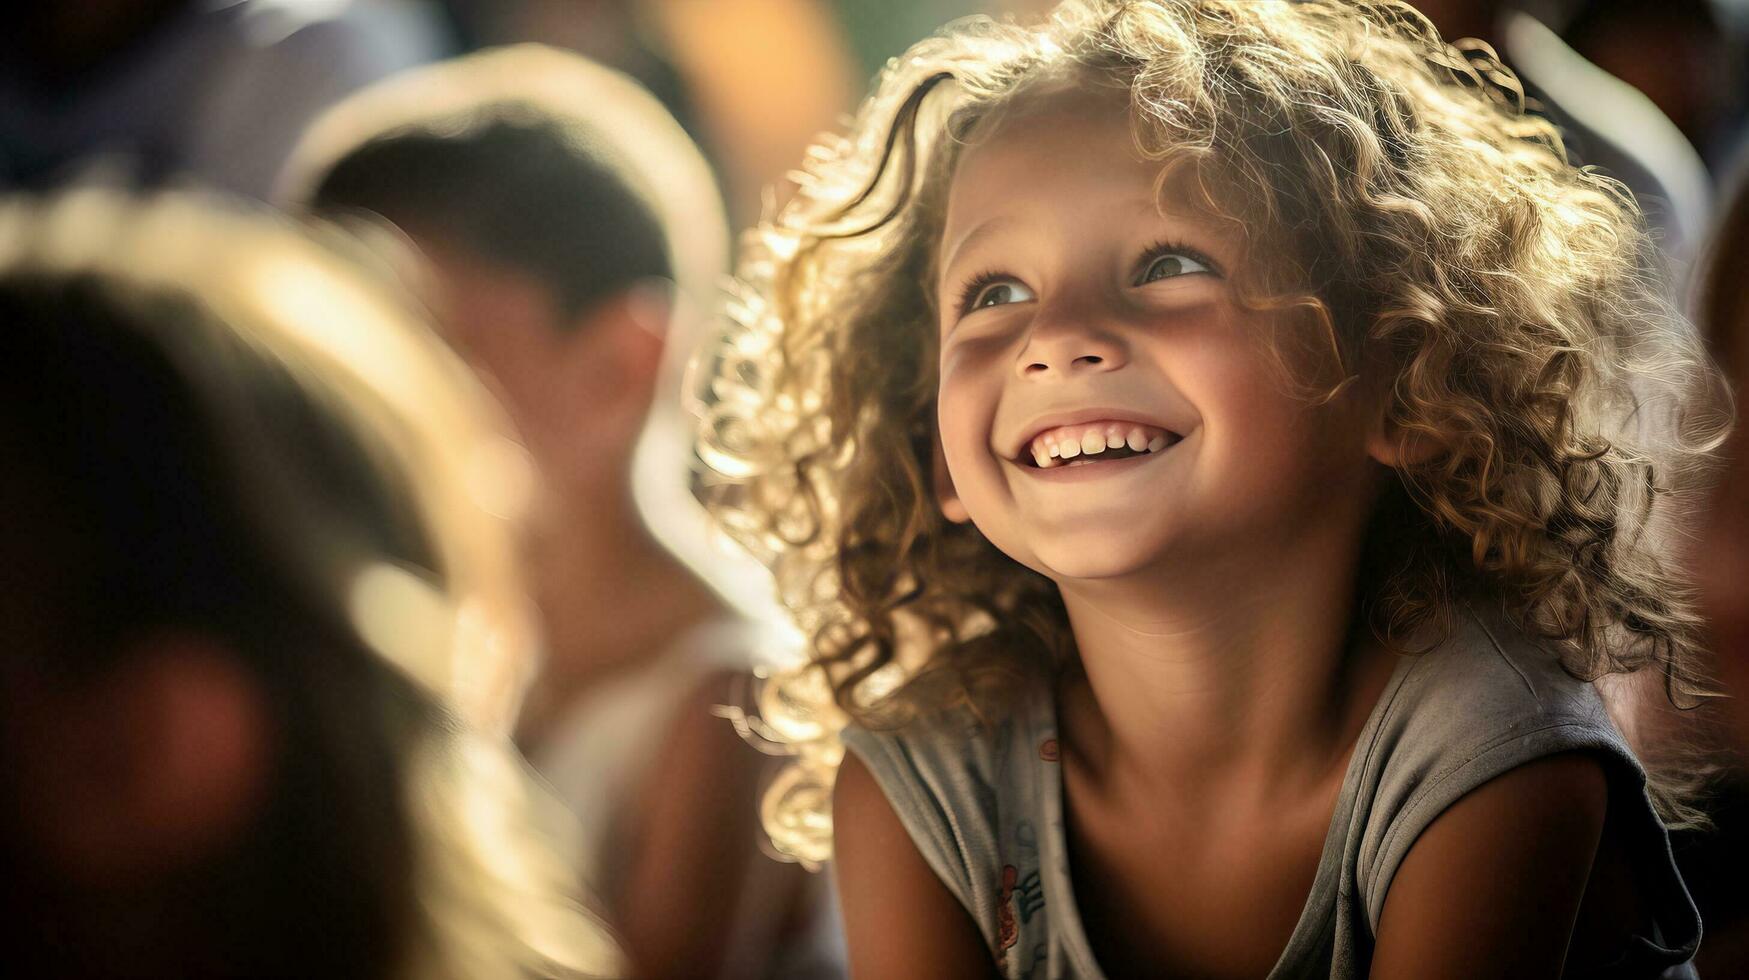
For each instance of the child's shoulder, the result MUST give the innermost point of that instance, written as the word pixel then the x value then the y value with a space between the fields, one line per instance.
pixel 1487 700
pixel 1488 682
pixel 973 787
pixel 977 746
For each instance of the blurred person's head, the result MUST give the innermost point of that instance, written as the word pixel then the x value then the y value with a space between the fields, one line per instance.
pixel 1722 551
pixel 1674 51
pixel 260 622
pixel 558 204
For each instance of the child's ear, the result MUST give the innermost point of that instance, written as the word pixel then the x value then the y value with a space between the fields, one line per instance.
pixel 635 326
pixel 946 497
pixel 614 352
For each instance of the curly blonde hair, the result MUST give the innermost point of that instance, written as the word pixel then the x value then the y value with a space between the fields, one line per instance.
pixel 1430 237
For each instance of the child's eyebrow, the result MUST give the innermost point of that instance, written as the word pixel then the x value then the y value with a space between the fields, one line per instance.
pixel 971 237
pixel 1175 213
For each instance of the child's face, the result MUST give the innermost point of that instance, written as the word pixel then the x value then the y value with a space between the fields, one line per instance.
pixel 1075 314
pixel 566 385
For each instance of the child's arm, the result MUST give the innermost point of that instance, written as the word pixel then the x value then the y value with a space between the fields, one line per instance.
pixel 900 921
pixel 1493 886
pixel 694 853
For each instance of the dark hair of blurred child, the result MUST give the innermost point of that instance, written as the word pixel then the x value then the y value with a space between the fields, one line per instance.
pixel 260 618
pixel 566 216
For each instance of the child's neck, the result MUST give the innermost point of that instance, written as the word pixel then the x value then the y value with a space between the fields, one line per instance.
pixel 612 597
pixel 1238 676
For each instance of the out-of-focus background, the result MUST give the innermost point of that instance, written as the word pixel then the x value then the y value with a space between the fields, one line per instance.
pixel 218 92
pixel 221 88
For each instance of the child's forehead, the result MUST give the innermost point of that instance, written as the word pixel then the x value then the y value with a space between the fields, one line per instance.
pixel 1071 146
pixel 1059 110
pixel 1043 127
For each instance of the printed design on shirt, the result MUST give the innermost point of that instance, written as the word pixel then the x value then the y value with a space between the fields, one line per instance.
pixel 1007 931
pixel 1021 898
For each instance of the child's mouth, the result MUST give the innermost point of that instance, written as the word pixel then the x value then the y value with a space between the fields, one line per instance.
pixel 1095 442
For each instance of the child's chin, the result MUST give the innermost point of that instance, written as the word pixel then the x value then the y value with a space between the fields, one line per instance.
pixel 1097 554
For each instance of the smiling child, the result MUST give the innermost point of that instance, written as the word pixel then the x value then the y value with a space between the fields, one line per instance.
pixel 1200 440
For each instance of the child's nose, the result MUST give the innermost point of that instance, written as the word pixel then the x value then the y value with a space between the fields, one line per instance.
pixel 1067 347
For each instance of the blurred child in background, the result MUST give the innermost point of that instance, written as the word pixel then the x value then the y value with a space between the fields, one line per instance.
pixel 568 222
pixel 260 616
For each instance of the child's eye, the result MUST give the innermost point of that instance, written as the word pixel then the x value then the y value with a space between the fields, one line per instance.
pixel 1001 293
pixel 1168 261
pixel 992 290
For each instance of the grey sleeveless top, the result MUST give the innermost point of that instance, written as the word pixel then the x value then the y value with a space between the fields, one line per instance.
pixel 984 805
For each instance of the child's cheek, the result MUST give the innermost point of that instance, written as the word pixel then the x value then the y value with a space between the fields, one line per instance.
pixel 965 409
pixel 961 439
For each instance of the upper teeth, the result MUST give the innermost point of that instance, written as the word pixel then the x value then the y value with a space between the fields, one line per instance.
pixel 1053 446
